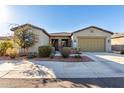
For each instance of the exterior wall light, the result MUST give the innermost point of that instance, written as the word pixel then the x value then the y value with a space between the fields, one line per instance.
pixel 74 41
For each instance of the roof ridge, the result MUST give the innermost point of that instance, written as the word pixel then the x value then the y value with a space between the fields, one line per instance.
pixel 14 28
pixel 92 26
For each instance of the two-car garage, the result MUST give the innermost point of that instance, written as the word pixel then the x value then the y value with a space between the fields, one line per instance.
pixel 92 39
pixel 92 44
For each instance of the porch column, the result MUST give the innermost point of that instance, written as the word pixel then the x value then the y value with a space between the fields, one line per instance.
pixel 59 43
pixel 69 42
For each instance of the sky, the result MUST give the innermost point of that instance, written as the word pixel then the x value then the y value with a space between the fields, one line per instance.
pixel 62 18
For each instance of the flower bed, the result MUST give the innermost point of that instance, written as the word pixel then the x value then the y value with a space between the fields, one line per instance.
pixel 8 58
pixel 70 59
pixel 56 58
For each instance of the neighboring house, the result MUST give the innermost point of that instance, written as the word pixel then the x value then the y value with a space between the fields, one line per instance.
pixel 3 38
pixel 91 39
pixel 118 41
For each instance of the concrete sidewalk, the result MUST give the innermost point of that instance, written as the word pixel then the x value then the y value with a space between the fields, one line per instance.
pixel 63 83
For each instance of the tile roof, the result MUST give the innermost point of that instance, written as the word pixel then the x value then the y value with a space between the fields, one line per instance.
pixel 117 35
pixel 15 28
pixel 95 28
pixel 61 34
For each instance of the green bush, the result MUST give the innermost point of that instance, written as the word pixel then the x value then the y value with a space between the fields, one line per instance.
pixel 122 52
pixel 32 55
pixel 77 56
pixel 44 51
pixel 65 52
pixel 53 52
pixel 4 46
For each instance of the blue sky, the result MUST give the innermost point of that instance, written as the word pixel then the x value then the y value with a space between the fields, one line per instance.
pixel 66 18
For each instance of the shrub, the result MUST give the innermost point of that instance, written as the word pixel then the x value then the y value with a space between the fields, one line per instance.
pixel 32 55
pixel 8 51
pixel 53 52
pixel 77 56
pixel 122 52
pixel 13 53
pixel 75 50
pixel 65 52
pixel 52 55
pixel 4 46
pixel 44 51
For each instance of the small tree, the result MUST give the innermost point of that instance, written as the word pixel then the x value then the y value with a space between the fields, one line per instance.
pixel 24 38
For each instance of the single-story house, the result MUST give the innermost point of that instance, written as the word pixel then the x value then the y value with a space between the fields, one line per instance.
pixel 90 39
pixel 4 38
pixel 118 41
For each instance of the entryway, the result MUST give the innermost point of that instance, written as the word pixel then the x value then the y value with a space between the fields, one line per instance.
pixel 59 43
pixel 55 43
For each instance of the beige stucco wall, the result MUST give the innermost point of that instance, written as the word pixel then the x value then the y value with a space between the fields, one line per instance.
pixel 92 32
pixel 42 39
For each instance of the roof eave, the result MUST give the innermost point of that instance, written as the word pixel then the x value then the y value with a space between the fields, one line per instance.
pixel 93 27
pixel 15 28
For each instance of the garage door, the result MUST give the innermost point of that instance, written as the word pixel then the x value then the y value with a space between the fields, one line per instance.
pixel 91 44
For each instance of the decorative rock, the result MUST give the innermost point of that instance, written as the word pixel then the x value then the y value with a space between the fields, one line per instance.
pixel 27 70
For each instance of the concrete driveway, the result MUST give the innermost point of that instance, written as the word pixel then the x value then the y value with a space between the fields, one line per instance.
pixel 106 71
pixel 105 65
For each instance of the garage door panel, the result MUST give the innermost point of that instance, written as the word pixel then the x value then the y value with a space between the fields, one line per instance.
pixel 91 44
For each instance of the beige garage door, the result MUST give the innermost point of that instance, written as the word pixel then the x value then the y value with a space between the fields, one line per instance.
pixel 91 44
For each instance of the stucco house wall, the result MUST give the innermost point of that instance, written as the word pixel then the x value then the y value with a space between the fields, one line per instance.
pixel 42 39
pixel 93 32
